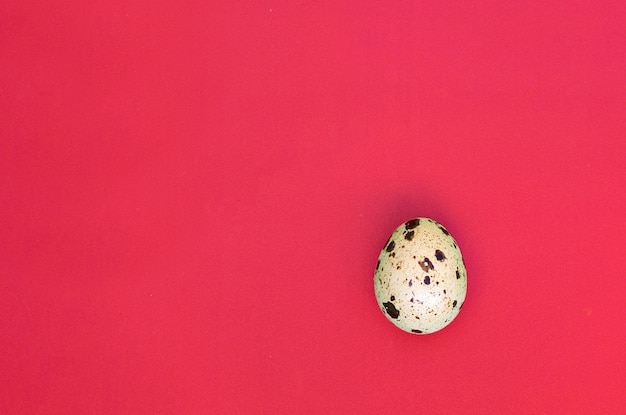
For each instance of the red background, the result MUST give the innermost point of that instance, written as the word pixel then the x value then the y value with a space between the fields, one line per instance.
pixel 194 196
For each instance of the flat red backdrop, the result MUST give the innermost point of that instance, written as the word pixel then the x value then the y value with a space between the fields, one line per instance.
pixel 194 196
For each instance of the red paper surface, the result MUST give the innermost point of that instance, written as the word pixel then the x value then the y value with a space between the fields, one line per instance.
pixel 194 196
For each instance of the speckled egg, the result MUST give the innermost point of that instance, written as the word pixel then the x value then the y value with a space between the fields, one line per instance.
pixel 420 280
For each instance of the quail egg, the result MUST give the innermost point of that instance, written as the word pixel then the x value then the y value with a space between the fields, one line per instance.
pixel 420 280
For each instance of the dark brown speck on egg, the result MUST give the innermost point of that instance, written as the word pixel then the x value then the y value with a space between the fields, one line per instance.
pixel 412 224
pixel 391 245
pixel 440 255
pixel 426 265
pixel 391 309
